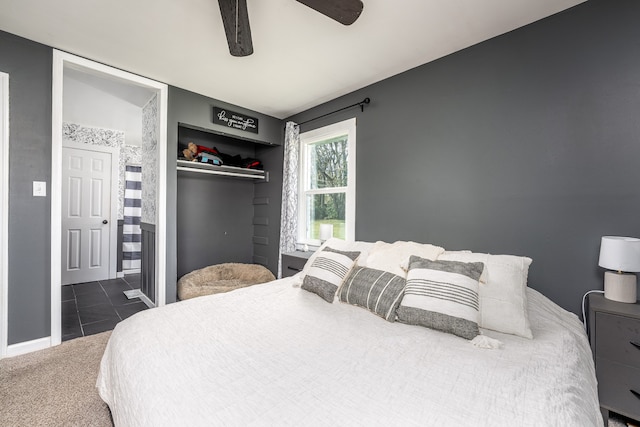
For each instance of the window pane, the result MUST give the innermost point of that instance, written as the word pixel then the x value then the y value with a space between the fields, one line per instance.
pixel 328 163
pixel 325 209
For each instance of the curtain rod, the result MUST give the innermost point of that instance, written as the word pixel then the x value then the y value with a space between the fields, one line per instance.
pixel 361 104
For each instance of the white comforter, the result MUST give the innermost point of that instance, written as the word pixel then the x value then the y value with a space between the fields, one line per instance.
pixel 273 354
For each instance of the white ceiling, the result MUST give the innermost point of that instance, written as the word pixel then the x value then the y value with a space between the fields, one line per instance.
pixel 126 91
pixel 301 58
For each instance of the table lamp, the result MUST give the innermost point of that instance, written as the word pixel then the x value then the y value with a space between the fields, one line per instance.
pixel 326 232
pixel 621 254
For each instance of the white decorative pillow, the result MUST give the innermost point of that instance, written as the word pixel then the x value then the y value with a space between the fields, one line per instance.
pixel 442 295
pixel 404 265
pixel 389 256
pixel 376 290
pixel 503 298
pixel 327 272
pixel 341 245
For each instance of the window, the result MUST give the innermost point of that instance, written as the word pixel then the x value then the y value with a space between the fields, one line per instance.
pixel 327 182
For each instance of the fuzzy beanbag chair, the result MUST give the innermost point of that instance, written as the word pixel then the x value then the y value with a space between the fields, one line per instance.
pixel 220 278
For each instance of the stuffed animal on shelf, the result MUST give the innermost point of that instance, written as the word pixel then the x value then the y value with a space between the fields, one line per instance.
pixel 191 152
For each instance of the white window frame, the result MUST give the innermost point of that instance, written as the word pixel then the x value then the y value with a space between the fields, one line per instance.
pixel 309 138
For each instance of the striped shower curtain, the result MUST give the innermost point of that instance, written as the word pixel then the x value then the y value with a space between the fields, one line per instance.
pixel 132 235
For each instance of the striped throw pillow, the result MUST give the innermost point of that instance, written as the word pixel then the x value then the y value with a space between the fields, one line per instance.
pixel 327 272
pixel 442 295
pixel 376 290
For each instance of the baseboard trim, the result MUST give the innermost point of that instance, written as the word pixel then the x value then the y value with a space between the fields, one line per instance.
pixel 147 301
pixel 28 346
pixel 120 274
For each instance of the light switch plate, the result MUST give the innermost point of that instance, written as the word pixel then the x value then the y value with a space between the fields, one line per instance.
pixel 39 189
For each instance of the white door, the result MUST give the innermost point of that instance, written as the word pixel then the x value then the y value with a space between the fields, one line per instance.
pixel 86 215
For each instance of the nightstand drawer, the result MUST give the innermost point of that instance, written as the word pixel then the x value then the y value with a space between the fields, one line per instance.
pixel 617 385
pixel 292 264
pixel 615 339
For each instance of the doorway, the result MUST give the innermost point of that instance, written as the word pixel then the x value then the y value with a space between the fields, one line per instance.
pixel 113 80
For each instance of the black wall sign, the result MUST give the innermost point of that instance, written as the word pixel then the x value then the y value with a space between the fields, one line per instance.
pixel 224 117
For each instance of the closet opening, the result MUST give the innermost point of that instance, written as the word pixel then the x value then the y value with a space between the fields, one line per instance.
pixel 216 210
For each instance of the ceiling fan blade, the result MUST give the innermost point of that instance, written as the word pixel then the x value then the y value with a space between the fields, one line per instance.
pixel 344 11
pixel 235 18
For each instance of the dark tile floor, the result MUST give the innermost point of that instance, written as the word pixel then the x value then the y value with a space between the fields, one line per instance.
pixel 94 307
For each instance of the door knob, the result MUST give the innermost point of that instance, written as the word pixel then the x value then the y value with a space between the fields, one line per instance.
pixel 104 221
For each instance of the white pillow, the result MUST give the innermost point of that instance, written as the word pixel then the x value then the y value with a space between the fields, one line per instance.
pixel 389 256
pixel 503 298
pixel 341 245
pixel 404 265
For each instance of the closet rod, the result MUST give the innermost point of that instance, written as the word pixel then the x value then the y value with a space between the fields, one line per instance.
pixel 216 172
pixel 361 104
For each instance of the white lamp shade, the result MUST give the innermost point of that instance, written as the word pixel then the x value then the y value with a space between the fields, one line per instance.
pixel 620 253
pixel 326 231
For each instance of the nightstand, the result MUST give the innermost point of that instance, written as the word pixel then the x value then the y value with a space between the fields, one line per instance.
pixel 293 262
pixel 614 333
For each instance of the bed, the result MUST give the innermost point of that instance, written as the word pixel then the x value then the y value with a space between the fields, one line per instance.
pixel 276 354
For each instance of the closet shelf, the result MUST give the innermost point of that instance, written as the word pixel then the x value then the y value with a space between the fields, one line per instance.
pixel 232 171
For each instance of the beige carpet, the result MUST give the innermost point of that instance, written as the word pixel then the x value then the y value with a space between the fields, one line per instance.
pixel 54 387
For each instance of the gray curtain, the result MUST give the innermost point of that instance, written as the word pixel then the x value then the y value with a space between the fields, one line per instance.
pixel 289 217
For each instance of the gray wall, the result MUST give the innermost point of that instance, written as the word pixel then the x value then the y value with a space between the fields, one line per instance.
pixel 214 221
pixel 209 219
pixel 526 144
pixel 29 67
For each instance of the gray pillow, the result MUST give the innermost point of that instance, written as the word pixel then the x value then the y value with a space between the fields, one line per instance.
pixel 442 295
pixel 327 272
pixel 376 290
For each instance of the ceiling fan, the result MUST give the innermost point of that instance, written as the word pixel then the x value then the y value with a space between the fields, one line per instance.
pixel 236 19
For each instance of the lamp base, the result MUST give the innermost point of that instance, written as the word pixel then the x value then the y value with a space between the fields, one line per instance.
pixel 620 287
